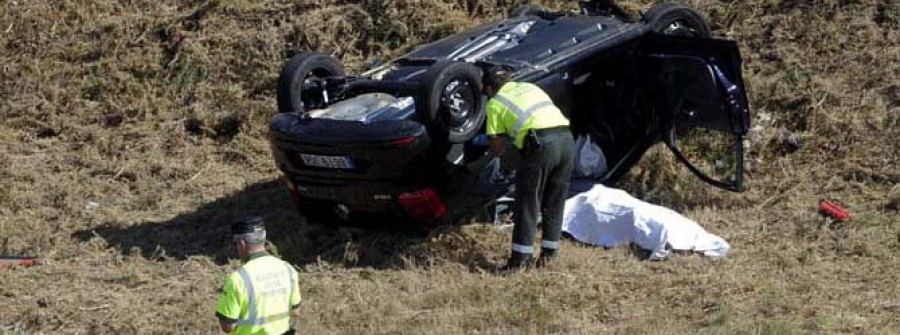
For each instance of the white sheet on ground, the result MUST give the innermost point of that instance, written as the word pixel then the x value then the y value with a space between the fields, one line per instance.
pixel 611 217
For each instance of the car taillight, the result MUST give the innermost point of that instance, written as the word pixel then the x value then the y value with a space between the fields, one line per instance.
pixel 424 205
pixel 403 141
pixel 295 195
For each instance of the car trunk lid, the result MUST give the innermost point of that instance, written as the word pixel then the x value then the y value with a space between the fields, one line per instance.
pixel 367 137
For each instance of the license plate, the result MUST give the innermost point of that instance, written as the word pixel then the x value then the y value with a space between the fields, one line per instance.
pixel 331 162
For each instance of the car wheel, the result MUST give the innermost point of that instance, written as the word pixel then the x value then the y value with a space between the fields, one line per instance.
pixel 450 101
pixel 293 93
pixel 527 10
pixel 677 19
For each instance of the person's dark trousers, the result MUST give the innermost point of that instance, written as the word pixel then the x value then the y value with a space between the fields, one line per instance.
pixel 542 183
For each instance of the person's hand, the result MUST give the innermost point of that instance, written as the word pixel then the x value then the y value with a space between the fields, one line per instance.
pixel 498 145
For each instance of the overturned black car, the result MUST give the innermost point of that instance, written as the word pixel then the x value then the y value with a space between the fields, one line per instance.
pixel 399 139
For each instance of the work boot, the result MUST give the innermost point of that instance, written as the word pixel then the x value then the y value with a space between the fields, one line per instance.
pixel 517 262
pixel 547 256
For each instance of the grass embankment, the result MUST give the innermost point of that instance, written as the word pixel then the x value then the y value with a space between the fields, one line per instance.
pixel 132 132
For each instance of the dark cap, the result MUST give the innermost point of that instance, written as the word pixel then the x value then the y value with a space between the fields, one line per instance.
pixel 248 225
pixel 496 75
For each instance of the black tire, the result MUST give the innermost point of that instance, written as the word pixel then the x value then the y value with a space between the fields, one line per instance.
pixel 529 9
pixel 296 71
pixel 450 101
pixel 677 19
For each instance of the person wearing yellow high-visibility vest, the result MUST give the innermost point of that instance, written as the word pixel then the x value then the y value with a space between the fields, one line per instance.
pixel 263 296
pixel 525 114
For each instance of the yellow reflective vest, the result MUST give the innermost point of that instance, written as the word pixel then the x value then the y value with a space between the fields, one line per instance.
pixel 518 107
pixel 260 296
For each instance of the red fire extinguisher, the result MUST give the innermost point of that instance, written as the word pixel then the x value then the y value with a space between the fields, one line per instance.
pixel 833 210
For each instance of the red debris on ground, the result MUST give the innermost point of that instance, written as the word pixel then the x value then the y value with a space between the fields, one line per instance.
pixel 8 262
pixel 833 210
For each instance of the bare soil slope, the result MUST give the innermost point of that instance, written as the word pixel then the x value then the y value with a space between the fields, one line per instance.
pixel 131 132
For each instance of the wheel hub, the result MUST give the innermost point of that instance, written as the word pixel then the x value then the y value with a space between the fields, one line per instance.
pixel 679 28
pixel 313 93
pixel 458 99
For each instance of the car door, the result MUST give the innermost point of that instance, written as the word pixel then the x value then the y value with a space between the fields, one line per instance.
pixel 699 103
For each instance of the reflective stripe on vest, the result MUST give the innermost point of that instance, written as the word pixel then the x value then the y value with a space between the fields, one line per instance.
pixel 522 115
pixel 252 318
pixel 287 266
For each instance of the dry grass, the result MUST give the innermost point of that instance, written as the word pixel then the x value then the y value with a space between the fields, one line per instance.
pixel 131 132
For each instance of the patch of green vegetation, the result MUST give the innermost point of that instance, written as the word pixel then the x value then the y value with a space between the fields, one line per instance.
pixel 888 14
pixel 842 322
pixel 719 316
pixel 92 89
pixel 795 74
pixel 186 74
pixel 528 309
pixel 131 280
pixel 869 219
pixel 778 327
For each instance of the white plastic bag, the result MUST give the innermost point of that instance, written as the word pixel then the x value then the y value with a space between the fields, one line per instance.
pixel 589 159
pixel 576 156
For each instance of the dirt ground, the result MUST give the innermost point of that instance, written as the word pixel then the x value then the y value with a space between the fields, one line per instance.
pixel 132 132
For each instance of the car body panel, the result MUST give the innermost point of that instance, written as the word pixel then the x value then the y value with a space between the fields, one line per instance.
pixel 699 85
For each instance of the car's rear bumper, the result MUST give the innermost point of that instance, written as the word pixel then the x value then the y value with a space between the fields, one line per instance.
pixel 418 204
pixel 364 196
